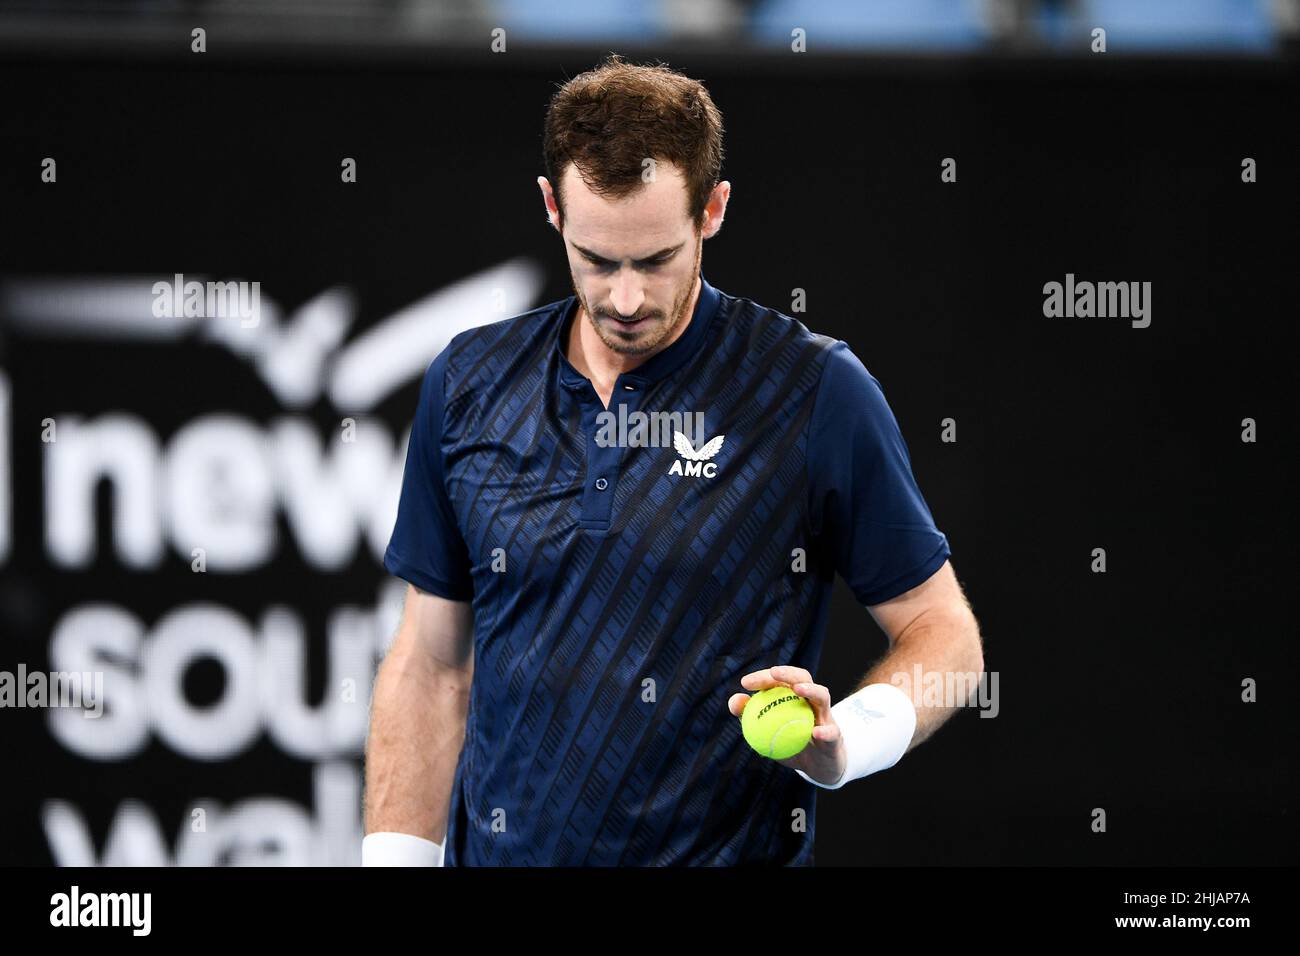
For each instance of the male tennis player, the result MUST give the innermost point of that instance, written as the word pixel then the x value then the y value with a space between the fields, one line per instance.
pixel 586 594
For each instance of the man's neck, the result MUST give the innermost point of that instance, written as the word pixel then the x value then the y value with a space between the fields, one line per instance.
pixel 601 364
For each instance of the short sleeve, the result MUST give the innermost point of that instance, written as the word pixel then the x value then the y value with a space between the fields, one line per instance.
pixel 864 503
pixel 426 547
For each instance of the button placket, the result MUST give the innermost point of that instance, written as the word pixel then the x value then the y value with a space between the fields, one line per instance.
pixel 604 462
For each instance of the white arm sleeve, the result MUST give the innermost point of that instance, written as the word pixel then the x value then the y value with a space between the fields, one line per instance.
pixel 877 723
pixel 399 849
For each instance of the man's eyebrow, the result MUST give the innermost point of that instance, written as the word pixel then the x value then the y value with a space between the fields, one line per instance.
pixel 661 254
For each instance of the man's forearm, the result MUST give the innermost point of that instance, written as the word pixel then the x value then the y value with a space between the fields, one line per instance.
pixel 934 644
pixel 417 728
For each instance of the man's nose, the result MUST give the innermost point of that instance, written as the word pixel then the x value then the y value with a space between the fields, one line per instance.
pixel 627 295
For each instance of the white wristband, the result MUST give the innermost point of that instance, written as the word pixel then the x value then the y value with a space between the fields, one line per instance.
pixel 877 723
pixel 399 849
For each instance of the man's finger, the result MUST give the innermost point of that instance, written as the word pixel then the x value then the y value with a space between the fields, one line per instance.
pixel 781 674
pixel 759 680
pixel 819 696
pixel 826 733
pixel 789 674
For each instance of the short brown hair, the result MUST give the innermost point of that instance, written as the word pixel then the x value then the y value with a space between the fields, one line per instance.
pixel 608 120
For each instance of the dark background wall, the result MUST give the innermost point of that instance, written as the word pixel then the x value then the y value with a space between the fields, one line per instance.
pixel 1118 690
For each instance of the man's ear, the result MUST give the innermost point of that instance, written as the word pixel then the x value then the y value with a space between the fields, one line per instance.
pixel 548 200
pixel 716 209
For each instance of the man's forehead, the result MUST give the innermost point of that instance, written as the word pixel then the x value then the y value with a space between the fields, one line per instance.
pixel 651 215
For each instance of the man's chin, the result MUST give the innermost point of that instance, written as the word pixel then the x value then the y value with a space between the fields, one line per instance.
pixel 630 343
pixel 627 345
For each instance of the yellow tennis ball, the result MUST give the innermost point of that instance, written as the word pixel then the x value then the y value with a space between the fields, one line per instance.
pixel 777 722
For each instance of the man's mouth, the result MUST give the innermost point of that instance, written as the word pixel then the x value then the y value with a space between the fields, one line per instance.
pixel 629 323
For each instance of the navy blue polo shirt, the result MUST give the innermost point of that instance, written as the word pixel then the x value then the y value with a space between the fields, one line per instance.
pixel 621 587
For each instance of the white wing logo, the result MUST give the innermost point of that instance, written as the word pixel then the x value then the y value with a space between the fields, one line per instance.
pixel 687 450
pixel 695 466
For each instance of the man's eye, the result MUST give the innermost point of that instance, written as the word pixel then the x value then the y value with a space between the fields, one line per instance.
pixel 606 266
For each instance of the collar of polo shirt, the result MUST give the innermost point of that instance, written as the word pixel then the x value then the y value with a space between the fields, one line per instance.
pixel 660 364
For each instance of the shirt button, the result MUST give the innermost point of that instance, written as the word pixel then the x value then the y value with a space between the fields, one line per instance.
pixel 601 484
